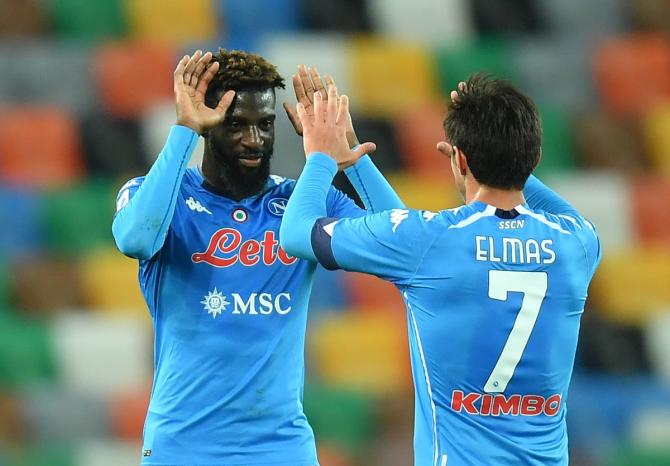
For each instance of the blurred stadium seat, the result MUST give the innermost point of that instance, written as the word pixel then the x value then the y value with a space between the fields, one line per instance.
pixel 361 351
pixel 389 75
pixel 26 353
pixel 131 76
pixel 174 21
pixel 457 61
pixel 49 159
pixel 83 340
pixel 23 210
pixel 651 210
pixel 448 21
pixel 419 192
pixel 104 272
pixel 631 285
pixel 87 20
pixel 258 17
pixel 557 142
pixel 633 73
pixel 21 18
pixel 367 293
pixel 127 410
pixel 657 138
pixel 417 132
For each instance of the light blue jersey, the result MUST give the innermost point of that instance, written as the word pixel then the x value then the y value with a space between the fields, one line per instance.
pixel 229 308
pixel 494 300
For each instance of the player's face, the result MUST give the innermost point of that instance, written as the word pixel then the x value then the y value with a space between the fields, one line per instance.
pixel 242 145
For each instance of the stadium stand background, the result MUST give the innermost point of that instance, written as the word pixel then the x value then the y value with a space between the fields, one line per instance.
pixel 86 103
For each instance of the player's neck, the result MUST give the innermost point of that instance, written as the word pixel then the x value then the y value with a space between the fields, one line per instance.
pixel 500 198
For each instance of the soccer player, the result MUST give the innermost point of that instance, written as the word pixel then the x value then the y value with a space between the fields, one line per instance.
pixel 229 305
pixel 494 289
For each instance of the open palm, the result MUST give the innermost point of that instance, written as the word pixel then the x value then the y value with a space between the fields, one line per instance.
pixel 191 78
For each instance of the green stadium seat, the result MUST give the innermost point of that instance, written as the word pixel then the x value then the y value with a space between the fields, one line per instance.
pixel 455 64
pixel 26 354
pixel 639 456
pixel 45 455
pixel 557 143
pixel 86 19
pixel 342 418
pixel 80 218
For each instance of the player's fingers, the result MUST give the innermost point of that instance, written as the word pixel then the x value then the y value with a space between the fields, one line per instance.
pixel 329 80
pixel 306 82
pixel 305 119
pixel 461 86
pixel 293 118
pixel 445 148
pixel 299 89
pixel 225 101
pixel 316 80
pixel 179 71
pixel 200 67
pixel 332 105
pixel 203 82
pixel 362 149
pixel 319 108
pixel 190 66
pixel 343 116
pixel 454 96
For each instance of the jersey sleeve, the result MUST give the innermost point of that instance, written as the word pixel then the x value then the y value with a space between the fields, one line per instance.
pixel 540 197
pixel 144 209
pixel 389 244
pixel 340 205
pixel 374 190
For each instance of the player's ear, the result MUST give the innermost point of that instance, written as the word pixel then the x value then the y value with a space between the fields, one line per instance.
pixel 461 161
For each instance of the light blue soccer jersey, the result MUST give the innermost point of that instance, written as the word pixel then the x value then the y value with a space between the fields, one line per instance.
pixel 494 300
pixel 229 308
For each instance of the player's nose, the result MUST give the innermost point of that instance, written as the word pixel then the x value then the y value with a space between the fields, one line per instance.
pixel 252 139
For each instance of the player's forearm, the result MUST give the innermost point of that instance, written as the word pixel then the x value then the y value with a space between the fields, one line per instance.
pixel 539 196
pixel 306 205
pixel 141 226
pixel 373 189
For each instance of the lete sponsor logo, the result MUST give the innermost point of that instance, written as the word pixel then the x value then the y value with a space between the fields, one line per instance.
pixel 226 248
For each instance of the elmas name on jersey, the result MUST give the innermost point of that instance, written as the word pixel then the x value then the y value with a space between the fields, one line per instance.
pixel 226 248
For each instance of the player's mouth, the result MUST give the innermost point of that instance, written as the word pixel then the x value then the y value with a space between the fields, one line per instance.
pixel 251 160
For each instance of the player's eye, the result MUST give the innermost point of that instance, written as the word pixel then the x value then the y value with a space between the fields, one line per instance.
pixel 266 125
pixel 234 124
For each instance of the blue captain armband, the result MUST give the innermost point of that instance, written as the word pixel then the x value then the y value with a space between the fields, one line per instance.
pixel 322 236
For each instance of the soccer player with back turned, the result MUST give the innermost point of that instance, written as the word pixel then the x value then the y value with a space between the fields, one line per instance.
pixel 229 305
pixel 494 289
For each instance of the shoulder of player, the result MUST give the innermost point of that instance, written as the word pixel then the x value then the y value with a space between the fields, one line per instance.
pixel 569 223
pixel 132 183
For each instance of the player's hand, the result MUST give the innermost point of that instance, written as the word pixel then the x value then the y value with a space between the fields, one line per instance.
pixel 443 146
pixel 325 130
pixel 191 78
pixel 305 84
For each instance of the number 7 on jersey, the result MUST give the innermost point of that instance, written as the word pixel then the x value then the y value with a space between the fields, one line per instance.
pixel 533 285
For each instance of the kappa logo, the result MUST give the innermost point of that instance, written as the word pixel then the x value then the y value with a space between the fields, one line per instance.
pixel 277 206
pixel 397 217
pixel 196 206
pixel 428 216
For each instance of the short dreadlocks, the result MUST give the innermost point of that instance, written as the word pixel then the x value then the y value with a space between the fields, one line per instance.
pixel 242 71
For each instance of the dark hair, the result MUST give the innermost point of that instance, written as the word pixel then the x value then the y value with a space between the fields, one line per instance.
pixel 499 130
pixel 240 71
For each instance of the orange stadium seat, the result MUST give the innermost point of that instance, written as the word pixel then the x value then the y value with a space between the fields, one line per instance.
pixel 372 294
pixel 657 138
pixel 133 76
pixel 650 209
pixel 39 147
pixel 127 411
pixel 388 77
pixel 417 132
pixel 176 21
pixel 366 352
pixel 633 73
pixel 109 282
pixel 632 284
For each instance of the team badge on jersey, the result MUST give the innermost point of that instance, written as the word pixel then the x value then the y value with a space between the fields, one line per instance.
pixel 240 215
pixel 277 206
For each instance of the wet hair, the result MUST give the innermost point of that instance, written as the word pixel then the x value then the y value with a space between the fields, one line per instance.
pixel 499 130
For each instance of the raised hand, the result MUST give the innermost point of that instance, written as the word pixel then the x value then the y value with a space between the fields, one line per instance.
pixel 443 146
pixel 191 78
pixel 305 84
pixel 325 128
